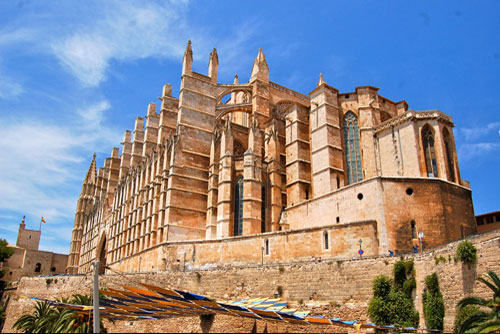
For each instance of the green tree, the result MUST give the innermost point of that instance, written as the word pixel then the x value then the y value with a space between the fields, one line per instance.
pixel 487 319
pixel 46 318
pixel 392 303
pixel 462 315
pixel 433 303
pixel 5 252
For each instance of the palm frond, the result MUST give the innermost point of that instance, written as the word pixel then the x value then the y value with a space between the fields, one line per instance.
pixel 494 277
pixel 472 301
pixel 489 284
pixel 473 321
pixel 489 326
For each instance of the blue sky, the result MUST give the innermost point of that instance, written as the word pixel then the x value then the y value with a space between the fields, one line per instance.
pixel 74 75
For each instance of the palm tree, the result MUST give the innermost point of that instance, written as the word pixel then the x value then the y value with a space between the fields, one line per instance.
pixel 487 319
pixel 46 318
pixel 39 321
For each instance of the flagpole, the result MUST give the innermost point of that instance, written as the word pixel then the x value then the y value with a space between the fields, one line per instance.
pixel 40 225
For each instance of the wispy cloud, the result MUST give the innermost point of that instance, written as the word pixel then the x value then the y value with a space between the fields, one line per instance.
pixel 86 42
pixel 9 88
pixel 40 159
pixel 477 132
pixel 478 141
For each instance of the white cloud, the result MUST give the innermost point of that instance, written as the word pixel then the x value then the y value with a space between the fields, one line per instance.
pixel 39 160
pixel 93 115
pixel 87 38
pixel 469 151
pixel 123 31
pixel 478 132
pixel 478 142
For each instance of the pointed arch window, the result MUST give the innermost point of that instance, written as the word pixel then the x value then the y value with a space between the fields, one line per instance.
pixel 413 230
pixel 238 206
pixel 351 146
pixel 449 155
pixel 429 151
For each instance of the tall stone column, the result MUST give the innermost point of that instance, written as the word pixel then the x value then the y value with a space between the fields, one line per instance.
pixel 274 167
pixel 138 143
pixel 367 103
pixel 213 184
pixel 298 163
pixel 252 181
pixel 225 184
pixel 126 155
pixel 326 139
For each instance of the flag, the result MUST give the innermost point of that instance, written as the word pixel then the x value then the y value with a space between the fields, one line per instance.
pixel 43 220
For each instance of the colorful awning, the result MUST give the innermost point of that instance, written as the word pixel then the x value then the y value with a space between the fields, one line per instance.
pixel 152 302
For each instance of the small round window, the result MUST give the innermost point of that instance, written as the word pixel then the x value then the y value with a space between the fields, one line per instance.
pixel 360 196
pixel 409 191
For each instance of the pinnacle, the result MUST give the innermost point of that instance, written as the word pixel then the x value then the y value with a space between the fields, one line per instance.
pixel 235 82
pixel 91 173
pixel 260 57
pixel 189 50
pixel 321 80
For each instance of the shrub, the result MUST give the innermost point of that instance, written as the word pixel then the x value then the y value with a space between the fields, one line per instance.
pixel 392 303
pixel 433 304
pixel 467 252
pixel 463 314
pixel 409 286
pixel 399 274
pixel 382 286
pixel 401 310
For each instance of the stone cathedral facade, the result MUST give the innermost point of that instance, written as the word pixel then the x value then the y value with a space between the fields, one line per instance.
pixel 247 173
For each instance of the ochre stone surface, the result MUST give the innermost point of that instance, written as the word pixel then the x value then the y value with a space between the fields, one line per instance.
pixel 209 179
pixel 339 288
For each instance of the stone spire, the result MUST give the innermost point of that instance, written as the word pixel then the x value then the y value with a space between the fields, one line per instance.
pixel 213 65
pixel 91 173
pixel 235 82
pixel 321 80
pixel 260 70
pixel 187 61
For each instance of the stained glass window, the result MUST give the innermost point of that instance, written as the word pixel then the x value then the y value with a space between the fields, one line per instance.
pixel 430 154
pixel 351 146
pixel 263 210
pixel 238 206
pixel 449 155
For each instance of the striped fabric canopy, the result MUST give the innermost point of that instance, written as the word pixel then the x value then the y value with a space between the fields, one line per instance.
pixel 152 302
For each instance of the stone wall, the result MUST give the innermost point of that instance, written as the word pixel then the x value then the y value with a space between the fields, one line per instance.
pixel 267 248
pixel 339 288
pixel 24 261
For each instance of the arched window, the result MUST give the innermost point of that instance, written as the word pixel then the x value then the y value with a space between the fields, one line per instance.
pixel 38 268
pixel 263 210
pixel 413 230
pixel 449 155
pixel 429 152
pixel 267 246
pixel 351 146
pixel 325 239
pixel 238 206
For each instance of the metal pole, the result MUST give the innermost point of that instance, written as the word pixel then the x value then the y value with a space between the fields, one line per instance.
pixel 95 298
